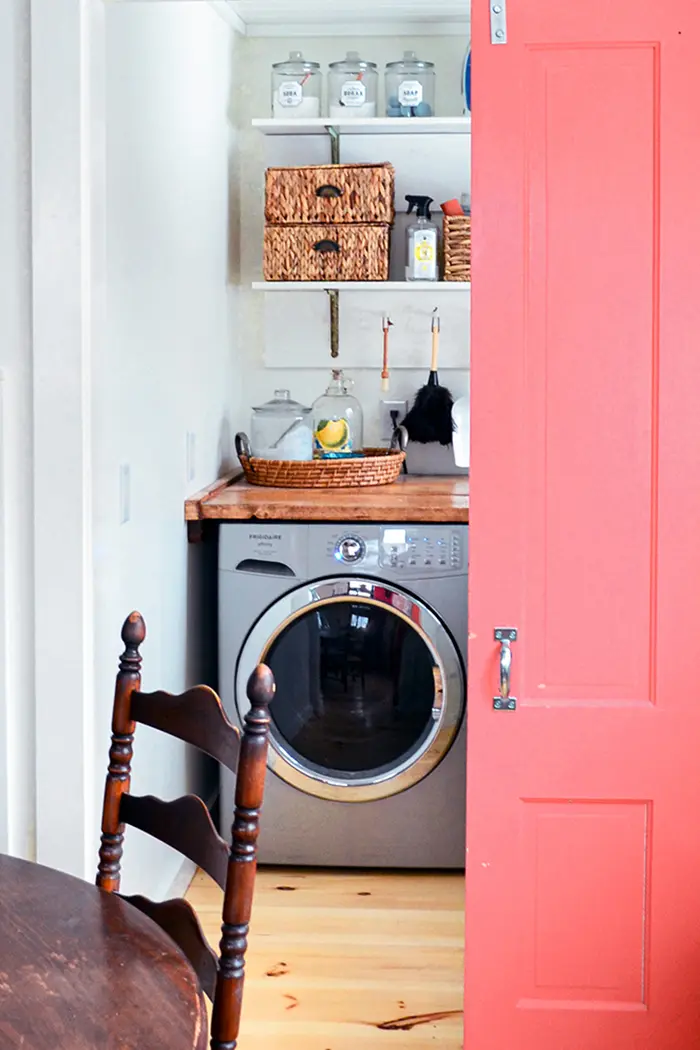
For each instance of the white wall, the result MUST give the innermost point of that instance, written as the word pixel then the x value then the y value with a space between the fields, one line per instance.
pixel 295 325
pixel 17 787
pixel 167 366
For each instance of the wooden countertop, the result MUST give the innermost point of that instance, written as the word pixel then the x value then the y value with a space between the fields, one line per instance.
pixel 410 499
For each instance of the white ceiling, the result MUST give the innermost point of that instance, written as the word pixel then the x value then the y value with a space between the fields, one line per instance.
pixel 359 17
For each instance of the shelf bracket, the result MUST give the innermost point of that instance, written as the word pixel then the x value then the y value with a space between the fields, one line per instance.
pixel 335 144
pixel 334 296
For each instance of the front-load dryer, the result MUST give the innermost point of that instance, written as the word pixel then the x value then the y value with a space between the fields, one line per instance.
pixel 365 629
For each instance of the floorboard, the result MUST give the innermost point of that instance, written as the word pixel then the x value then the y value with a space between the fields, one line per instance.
pixel 348 960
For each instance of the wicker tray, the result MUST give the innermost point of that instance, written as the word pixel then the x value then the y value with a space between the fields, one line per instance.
pixel 326 253
pixel 334 193
pixel 457 240
pixel 378 466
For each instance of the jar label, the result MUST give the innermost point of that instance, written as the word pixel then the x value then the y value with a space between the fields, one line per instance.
pixel 333 438
pixel 424 250
pixel 353 93
pixel 410 93
pixel 290 93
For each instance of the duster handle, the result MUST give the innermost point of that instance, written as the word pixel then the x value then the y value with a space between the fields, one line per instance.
pixel 436 343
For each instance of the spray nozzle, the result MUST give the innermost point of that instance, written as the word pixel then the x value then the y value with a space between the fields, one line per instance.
pixel 421 204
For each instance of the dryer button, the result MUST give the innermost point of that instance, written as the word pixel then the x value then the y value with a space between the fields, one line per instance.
pixel 350 550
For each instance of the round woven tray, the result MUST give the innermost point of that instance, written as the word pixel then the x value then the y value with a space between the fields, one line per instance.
pixel 378 466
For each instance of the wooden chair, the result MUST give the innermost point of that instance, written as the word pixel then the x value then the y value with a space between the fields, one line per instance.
pixel 196 717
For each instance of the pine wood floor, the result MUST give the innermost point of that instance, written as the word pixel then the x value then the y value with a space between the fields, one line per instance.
pixel 349 960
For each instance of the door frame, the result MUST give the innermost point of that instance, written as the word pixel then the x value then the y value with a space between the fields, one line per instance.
pixel 68 197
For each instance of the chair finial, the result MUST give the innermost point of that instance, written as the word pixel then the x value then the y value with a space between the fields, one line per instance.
pixel 133 634
pixel 261 687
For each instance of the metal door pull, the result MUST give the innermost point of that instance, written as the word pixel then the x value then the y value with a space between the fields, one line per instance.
pixel 504 701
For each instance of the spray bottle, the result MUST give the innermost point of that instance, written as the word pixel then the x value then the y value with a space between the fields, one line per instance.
pixel 422 242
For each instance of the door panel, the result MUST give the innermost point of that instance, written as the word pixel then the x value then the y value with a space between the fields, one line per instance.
pixel 583 918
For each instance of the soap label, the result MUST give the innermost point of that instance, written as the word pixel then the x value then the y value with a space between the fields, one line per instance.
pixel 290 94
pixel 410 93
pixel 425 251
pixel 332 439
pixel 353 93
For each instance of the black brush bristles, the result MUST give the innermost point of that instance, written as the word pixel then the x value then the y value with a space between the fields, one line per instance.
pixel 430 418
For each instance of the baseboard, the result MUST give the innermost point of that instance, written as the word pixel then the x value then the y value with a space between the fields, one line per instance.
pixel 181 883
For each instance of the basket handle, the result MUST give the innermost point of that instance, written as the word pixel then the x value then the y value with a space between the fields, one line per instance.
pixel 329 191
pixel 326 246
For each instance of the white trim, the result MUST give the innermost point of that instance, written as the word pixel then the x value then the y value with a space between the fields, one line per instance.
pixel 4 647
pixel 225 11
pixel 369 29
pixel 68 199
pixel 182 880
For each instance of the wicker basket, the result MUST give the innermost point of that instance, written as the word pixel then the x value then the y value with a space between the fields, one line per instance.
pixel 326 253
pixel 457 239
pixel 330 193
pixel 378 466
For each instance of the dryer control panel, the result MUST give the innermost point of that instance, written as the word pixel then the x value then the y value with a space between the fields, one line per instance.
pixel 421 548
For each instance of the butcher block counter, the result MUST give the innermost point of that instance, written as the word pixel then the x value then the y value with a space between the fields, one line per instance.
pixel 410 499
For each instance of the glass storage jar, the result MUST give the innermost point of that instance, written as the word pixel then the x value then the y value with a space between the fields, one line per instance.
pixel 281 429
pixel 337 420
pixel 296 87
pixel 410 87
pixel 352 87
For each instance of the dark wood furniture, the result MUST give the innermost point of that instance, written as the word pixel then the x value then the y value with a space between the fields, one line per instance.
pixel 82 969
pixel 196 717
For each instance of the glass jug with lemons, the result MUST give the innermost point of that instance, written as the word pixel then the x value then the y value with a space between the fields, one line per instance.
pixel 337 416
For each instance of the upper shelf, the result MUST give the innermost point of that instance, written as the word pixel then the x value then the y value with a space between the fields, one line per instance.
pixel 372 126
pixel 361 286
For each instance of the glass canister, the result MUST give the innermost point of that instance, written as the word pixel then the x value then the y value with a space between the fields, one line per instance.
pixel 352 87
pixel 281 429
pixel 296 87
pixel 410 87
pixel 337 420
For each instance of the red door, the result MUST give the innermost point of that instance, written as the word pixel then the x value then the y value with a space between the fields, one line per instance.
pixel 583 825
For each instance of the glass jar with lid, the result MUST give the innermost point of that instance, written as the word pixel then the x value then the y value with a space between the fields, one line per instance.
pixel 338 421
pixel 296 87
pixel 352 87
pixel 282 429
pixel 410 87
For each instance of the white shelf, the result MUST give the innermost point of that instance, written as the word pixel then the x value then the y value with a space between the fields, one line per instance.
pixel 372 126
pixel 362 286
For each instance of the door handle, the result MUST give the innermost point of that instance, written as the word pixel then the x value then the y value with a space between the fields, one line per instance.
pixel 505 635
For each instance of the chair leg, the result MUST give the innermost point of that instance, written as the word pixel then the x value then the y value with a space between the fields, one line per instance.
pixel 240 880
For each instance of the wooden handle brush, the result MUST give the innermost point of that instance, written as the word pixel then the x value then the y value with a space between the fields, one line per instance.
pixel 386 325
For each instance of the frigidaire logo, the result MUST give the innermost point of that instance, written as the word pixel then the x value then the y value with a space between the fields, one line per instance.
pixel 264 536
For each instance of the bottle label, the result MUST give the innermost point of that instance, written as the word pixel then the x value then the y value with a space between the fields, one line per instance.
pixel 290 93
pixel 332 438
pixel 424 252
pixel 353 93
pixel 410 93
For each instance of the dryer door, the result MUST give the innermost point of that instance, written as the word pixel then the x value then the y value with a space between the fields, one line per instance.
pixel 370 688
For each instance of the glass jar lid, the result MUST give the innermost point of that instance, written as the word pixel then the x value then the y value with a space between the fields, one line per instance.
pixel 296 63
pixel 410 62
pixel 351 63
pixel 282 404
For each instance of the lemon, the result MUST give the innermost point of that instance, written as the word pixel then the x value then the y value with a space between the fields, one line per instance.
pixel 333 434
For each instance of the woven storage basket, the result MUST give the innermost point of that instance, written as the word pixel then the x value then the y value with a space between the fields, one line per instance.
pixel 457 240
pixel 332 193
pixel 326 253
pixel 378 466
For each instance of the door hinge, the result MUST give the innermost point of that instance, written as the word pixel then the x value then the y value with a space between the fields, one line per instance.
pixel 499 27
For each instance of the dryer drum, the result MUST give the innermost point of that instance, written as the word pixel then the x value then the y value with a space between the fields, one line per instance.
pixel 370 688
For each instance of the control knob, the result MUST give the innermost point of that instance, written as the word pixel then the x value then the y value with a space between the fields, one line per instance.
pixel 350 550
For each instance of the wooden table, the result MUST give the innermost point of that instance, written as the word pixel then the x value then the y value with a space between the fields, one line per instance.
pixel 412 498
pixel 81 969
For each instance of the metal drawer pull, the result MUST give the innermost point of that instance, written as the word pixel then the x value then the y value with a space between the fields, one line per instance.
pixel 329 191
pixel 505 635
pixel 326 246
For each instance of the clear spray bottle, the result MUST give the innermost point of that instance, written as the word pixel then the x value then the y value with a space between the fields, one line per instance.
pixel 422 242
